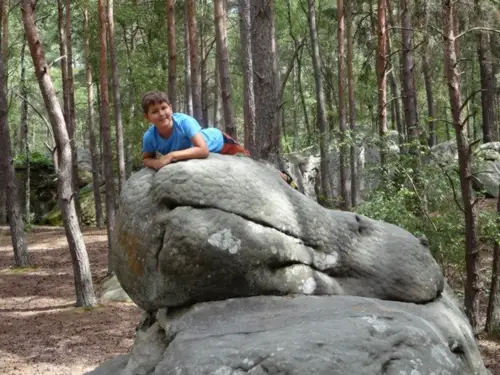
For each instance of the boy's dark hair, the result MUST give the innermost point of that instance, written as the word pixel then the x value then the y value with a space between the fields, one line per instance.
pixel 153 97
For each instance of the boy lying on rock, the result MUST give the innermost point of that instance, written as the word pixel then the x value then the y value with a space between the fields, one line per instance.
pixel 177 136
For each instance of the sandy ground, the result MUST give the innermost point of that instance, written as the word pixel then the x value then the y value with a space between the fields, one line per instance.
pixel 42 333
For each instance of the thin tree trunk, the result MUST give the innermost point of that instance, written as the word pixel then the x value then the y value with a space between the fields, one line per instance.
pixel 172 55
pixel 493 312
pixel 223 63
pixel 106 132
pixel 320 106
pixel 25 145
pixel 203 67
pixel 381 64
pixel 248 76
pixel 344 196
pixel 7 170
pixel 217 98
pixel 71 124
pixel 194 59
pixel 91 124
pixel 352 103
pixel 120 151
pixel 81 267
pixel 302 96
pixel 188 88
pixel 431 110
pixel 464 160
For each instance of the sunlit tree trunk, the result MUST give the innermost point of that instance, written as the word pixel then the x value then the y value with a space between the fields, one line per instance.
pixel 327 192
pixel 25 144
pixel 106 130
pixel 4 50
pixel 344 196
pixel 91 123
pixel 223 64
pixel 81 267
pixel 381 65
pixel 465 169
pixel 204 54
pixel 248 76
pixel 352 102
pixel 172 54
pixel 120 149
pixel 194 59
pixel 265 84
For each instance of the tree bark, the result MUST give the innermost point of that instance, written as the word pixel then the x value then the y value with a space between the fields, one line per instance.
pixel 352 103
pixel 223 63
pixel 487 79
pixel 345 202
pixel 172 55
pixel 248 76
pixel 465 170
pixel 188 88
pixel 381 64
pixel 7 170
pixel 25 145
pixel 431 109
pixel 194 60
pixel 91 124
pixel 265 85
pixel 328 194
pixel 493 312
pixel 120 150
pixel 81 267
pixel 106 131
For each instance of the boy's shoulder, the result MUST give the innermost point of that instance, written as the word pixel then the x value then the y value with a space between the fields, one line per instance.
pixel 181 117
pixel 150 132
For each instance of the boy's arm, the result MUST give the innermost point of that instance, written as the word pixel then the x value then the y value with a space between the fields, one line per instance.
pixel 149 159
pixel 198 151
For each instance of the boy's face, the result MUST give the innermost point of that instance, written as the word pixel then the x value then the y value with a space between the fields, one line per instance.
pixel 160 114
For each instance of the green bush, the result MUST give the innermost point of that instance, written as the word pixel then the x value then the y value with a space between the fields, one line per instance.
pixel 37 159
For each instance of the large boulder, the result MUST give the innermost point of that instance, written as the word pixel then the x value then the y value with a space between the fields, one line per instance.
pixel 225 257
pixel 231 227
pixel 486 169
pixel 304 335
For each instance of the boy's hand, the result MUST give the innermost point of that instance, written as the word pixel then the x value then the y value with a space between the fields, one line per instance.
pixel 165 159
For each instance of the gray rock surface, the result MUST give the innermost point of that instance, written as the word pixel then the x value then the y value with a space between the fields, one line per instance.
pixel 486 168
pixel 299 335
pixel 228 227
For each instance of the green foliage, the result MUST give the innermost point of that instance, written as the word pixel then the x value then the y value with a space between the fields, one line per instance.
pixel 427 210
pixel 37 159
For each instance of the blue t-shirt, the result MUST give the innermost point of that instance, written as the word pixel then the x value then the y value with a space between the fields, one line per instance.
pixel 184 128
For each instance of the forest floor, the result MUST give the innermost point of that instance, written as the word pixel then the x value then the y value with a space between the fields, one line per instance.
pixel 42 333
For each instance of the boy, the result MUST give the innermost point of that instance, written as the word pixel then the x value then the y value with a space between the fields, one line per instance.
pixel 178 136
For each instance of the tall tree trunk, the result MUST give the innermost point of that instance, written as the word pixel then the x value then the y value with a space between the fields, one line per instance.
pixel 4 50
pixel 81 267
pixel 248 76
pixel 63 52
pixel 352 103
pixel 395 93
pixel 265 85
pixel 188 88
pixel 120 150
pixel 344 196
pixel 493 312
pixel 320 106
pixel 7 170
pixel 195 60
pixel 71 124
pixel 204 52
pixel 106 131
pixel 464 161
pixel 223 63
pixel 487 79
pixel 172 55
pixel 25 145
pixel 431 110
pixel 381 64
pixel 217 98
pixel 91 124
pixel 408 80
pixel 302 95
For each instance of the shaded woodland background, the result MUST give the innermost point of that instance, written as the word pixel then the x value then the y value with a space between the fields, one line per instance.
pixel 278 76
